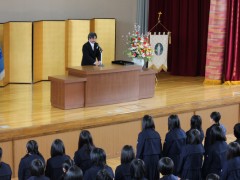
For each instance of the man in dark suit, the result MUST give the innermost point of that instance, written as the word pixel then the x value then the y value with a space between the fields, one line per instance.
pixel 91 51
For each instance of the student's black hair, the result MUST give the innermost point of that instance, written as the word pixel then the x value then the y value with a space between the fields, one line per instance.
pixel 127 154
pixel 147 122
pixel 98 157
pixel 92 35
pixel 37 168
pixel 194 137
pixel 57 148
pixel 32 147
pixel 215 116
pixel 137 169
pixel 217 134
pixel 212 176
pixel 74 173
pixel 233 150
pixel 237 130
pixel 1 152
pixel 67 164
pixel 85 138
pixel 103 175
pixel 196 122
pixel 173 122
pixel 165 166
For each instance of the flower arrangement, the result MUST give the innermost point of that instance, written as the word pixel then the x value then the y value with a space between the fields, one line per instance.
pixel 138 45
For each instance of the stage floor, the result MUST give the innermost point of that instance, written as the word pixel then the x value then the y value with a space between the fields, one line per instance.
pixel 25 109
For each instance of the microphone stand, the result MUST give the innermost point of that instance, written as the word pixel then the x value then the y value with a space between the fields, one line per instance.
pixel 101 62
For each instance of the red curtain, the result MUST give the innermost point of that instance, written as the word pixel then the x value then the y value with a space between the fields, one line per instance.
pixel 232 51
pixel 188 22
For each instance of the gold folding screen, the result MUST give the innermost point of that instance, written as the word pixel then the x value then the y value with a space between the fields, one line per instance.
pixel 51 48
pixel 106 32
pixel 76 35
pixel 20 52
pixel 17 52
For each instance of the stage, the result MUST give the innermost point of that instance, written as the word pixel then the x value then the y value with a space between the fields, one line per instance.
pixel 26 113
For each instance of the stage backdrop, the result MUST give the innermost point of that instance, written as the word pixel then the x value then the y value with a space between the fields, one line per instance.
pixel 123 11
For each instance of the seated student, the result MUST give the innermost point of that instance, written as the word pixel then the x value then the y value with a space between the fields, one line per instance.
pixel 65 167
pixel 137 170
pixel 174 141
pixel 58 157
pixel 149 147
pixel 215 157
pixel 25 163
pixel 215 120
pixel 123 171
pixel 237 132
pixel 103 175
pixel 98 158
pixel 5 169
pixel 82 155
pixel 191 157
pixel 73 173
pixel 166 167
pixel 212 176
pixel 196 123
pixel 37 170
pixel 231 169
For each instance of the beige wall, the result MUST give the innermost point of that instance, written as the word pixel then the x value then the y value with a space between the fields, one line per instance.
pixel 124 11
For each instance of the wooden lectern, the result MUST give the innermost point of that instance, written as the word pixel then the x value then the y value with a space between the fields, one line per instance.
pixel 103 85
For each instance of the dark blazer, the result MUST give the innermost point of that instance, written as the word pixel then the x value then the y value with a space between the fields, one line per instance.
pixel 38 178
pixel 190 162
pixel 91 173
pixel 25 164
pixel 5 171
pixel 54 167
pixel 231 170
pixel 90 55
pixel 215 158
pixel 201 134
pixel 207 141
pixel 169 177
pixel 123 172
pixel 175 140
pixel 149 149
pixel 82 158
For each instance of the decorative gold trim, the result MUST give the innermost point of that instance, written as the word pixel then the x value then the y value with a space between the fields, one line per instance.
pixel 212 82
pixel 162 67
pixel 232 83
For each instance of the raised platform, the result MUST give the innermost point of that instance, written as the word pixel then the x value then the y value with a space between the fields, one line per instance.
pixel 26 113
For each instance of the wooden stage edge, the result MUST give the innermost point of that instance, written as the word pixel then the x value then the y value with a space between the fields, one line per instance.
pixel 178 107
pixel 78 124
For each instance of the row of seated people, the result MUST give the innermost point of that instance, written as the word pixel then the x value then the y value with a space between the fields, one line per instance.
pixel 184 149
